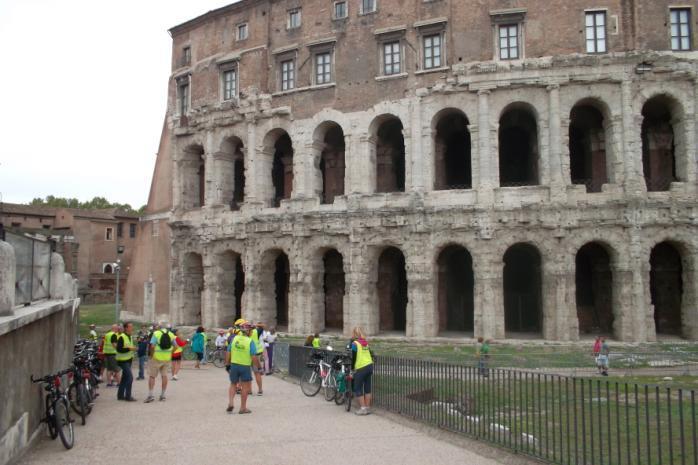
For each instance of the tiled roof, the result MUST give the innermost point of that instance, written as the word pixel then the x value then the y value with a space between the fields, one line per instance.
pixel 40 210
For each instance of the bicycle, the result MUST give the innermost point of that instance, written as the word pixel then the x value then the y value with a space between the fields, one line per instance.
pixel 217 357
pixel 313 377
pixel 57 408
pixel 345 379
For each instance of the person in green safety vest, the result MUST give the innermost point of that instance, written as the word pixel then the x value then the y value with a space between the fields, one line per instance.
pixel 124 357
pixel 109 350
pixel 239 359
pixel 161 348
pixel 362 362
pixel 256 335
pixel 316 341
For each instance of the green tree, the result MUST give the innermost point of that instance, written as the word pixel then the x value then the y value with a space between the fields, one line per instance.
pixel 97 203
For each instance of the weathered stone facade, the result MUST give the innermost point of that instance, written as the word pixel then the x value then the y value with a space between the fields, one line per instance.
pixel 554 194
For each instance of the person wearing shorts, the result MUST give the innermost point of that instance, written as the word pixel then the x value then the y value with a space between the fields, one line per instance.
pixel 239 358
pixel 160 362
pixel 362 362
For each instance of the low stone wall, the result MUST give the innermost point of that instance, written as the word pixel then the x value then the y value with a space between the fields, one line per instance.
pixel 34 340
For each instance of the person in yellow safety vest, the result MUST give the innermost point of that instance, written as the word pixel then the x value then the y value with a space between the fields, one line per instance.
pixel 256 334
pixel 93 333
pixel 161 348
pixel 124 357
pixel 110 356
pixel 362 362
pixel 316 341
pixel 239 358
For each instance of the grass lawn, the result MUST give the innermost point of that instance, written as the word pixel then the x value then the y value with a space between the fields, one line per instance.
pixel 101 315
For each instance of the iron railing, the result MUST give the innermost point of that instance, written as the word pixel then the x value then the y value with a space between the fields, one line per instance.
pixel 554 418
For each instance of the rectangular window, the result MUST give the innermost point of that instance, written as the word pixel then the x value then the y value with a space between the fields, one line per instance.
pixel 595 26
pixel 183 99
pixel 132 230
pixel 242 31
pixel 509 42
pixel 288 78
pixel 368 6
pixel 432 51
pixel 340 10
pixel 294 18
pixel 323 68
pixel 391 58
pixel 680 29
pixel 109 234
pixel 186 56
pixel 230 82
pixel 119 229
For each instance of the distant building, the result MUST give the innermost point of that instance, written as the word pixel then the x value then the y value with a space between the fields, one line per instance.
pixel 90 241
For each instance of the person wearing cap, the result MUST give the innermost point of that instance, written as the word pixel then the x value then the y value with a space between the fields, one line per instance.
pixel 221 339
pixel 93 333
pixel 239 359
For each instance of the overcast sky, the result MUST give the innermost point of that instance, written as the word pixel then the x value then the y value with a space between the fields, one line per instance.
pixel 83 94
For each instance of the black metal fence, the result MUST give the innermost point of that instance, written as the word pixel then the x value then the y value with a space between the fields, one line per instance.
pixel 558 419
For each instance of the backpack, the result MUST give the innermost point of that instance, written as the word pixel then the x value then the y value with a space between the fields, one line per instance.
pixel 165 340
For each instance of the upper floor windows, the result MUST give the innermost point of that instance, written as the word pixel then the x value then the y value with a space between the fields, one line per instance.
pixel 186 57
pixel 595 27
pixel 242 31
pixel 109 234
pixel 392 58
pixel 680 29
pixel 323 68
pixel 183 95
pixel 509 42
pixel 368 6
pixel 341 10
pixel 288 74
pixel 294 18
pixel 432 51
pixel 132 230
pixel 229 78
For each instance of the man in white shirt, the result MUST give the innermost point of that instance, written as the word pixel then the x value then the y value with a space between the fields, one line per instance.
pixel 221 340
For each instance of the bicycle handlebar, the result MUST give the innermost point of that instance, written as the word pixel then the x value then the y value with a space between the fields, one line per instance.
pixel 49 378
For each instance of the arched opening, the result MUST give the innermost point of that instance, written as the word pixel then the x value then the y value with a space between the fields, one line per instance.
pixel 231 173
pixel 522 290
pixel 594 290
pixel 518 147
pixel 587 147
pixel 658 144
pixel 452 152
pixel 333 285
pixel 666 288
pixel 281 288
pixel 455 292
pixel 192 285
pixel 332 163
pixel 392 290
pixel 390 156
pixel 282 168
pixel 231 287
pixel 108 269
pixel 193 176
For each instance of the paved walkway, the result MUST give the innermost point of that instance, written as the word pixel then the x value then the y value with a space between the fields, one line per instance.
pixel 192 427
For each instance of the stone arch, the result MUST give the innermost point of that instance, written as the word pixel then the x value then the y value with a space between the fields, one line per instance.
pixel 455 289
pixel 192 168
pixel 329 136
pixel 452 150
pixel 522 289
pixel 589 141
pixel 192 286
pixel 518 146
pixel 387 133
pixel 275 275
pixel 594 289
pixel 231 171
pixel 662 140
pixel 278 143
pixel 667 287
pixel 334 287
pixel 231 285
pixel 391 290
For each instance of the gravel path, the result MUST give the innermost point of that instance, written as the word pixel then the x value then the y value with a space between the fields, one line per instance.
pixel 192 427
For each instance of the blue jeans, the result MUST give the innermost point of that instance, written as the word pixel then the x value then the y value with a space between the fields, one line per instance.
pixel 141 366
pixel 124 391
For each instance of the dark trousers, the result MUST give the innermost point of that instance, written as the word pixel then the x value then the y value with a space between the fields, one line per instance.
pixel 124 391
pixel 270 356
pixel 141 366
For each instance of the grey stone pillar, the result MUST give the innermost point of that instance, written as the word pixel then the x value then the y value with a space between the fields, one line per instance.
pixel 623 309
pixel 7 279
pixel 362 308
pixel 486 176
pixel 421 305
pixel 211 291
pixel 559 310
pixel 555 164
pixel 632 144
pixel 489 302
pixel 223 178
pixel 689 302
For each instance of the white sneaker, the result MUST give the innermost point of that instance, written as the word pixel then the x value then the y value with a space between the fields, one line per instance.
pixel 361 411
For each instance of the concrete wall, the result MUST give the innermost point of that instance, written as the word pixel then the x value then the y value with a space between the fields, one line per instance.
pixel 34 340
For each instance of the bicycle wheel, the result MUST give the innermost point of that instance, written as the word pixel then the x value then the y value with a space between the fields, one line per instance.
pixel 64 424
pixel 340 398
pixel 82 403
pixel 310 382
pixel 187 353
pixel 50 419
pixel 348 395
pixel 330 387
pixel 218 359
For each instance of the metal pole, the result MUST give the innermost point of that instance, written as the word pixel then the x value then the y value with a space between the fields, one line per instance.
pixel 118 271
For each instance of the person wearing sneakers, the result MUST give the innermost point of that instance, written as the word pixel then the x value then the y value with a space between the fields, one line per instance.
pixel 362 361
pixel 124 357
pixel 241 355
pixel 161 347
pixel 110 356
pixel 256 334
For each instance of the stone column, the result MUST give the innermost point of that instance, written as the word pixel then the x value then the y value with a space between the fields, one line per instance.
pixel 258 298
pixel 421 305
pixel 299 299
pixel 486 173
pixel 223 178
pixel 361 303
pixel 366 165
pixel 251 153
pixel 632 144
pixel 308 172
pixel 489 302
pixel 350 159
pixel 7 278
pixel 689 301
pixel 555 176
pixel 623 308
pixel 614 150
pixel 560 320
pixel 211 291
pixel 416 157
